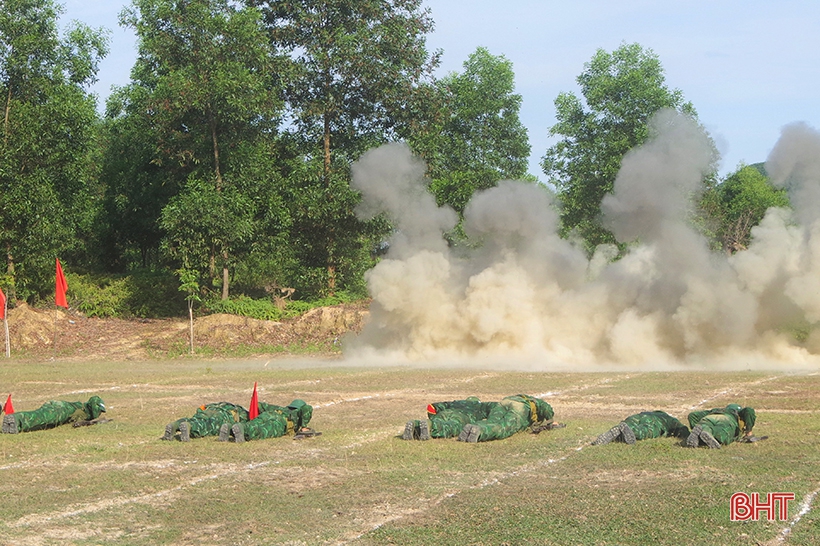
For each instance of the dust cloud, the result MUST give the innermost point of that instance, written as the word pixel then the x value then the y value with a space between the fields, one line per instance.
pixel 519 296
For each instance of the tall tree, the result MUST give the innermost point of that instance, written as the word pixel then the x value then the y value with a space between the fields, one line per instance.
pixel 48 125
pixel 733 207
pixel 621 91
pixel 356 65
pixel 480 139
pixel 208 82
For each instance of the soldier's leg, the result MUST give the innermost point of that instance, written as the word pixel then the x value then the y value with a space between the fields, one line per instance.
pixel 238 433
pixel 627 434
pixel 10 424
pixel 608 436
pixel 266 425
pixel 503 421
pixel 694 437
pixel 707 438
pixel 225 432
pixel 410 430
pixel 202 426
pixel 424 430
pixel 716 430
pixel 470 433
pixel 448 423
pixel 185 431
pixel 171 429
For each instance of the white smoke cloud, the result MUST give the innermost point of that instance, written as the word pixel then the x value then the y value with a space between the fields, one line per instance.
pixel 523 294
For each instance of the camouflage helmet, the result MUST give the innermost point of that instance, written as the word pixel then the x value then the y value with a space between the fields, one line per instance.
pixel 302 412
pixel 543 410
pixel 733 407
pixel 94 407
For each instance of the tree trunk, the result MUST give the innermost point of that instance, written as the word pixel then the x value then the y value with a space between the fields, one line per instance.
pixel 331 260
pixel 6 119
pixel 217 170
pixel 191 325
pixel 226 279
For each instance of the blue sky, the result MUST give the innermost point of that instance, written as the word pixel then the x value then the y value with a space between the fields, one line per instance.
pixel 748 66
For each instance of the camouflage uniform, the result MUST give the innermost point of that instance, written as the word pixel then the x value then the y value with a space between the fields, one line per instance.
pixel 647 424
pixel 720 426
pixel 513 414
pixel 52 414
pixel 447 419
pixel 207 421
pixel 272 422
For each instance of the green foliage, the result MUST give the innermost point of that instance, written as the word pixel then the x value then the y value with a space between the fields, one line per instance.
pixel 206 81
pixel 481 139
pixel 621 91
pixel 244 306
pixel 266 309
pixel 46 139
pixel 145 294
pixel 732 208
pixel 357 67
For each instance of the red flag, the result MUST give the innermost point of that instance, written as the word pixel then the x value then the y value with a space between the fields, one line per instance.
pixel 8 409
pixel 62 286
pixel 2 305
pixel 254 409
pixel 430 409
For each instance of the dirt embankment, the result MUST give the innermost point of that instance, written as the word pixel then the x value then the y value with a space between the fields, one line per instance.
pixel 63 334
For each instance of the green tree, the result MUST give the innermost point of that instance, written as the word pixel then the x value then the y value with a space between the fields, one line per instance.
pixel 621 91
pixel 480 139
pixel 47 175
pixel 733 207
pixel 207 80
pixel 357 67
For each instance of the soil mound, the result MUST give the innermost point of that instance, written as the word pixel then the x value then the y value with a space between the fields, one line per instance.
pixel 59 334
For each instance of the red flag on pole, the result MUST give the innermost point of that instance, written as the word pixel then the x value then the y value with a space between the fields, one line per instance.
pixel 254 409
pixel 2 305
pixel 8 409
pixel 62 286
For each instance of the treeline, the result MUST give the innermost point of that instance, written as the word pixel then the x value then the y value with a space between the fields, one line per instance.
pixel 223 166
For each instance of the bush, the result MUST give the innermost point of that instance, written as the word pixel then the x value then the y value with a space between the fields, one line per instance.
pixel 264 309
pixel 144 294
pixel 244 307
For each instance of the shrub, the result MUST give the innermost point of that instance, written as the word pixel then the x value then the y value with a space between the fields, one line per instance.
pixel 145 294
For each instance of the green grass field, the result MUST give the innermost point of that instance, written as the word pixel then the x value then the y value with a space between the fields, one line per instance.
pixel 359 483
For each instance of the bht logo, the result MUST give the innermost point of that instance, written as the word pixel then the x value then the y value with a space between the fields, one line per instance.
pixel 744 507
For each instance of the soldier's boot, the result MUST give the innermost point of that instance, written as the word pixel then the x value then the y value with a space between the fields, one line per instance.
pixel 424 430
pixel 627 434
pixel 462 436
pixel 225 432
pixel 707 438
pixel 409 430
pixel 185 432
pixel 608 436
pixel 169 432
pixel 9 424
pixel 238 433
pixel 694 437
pixel 473 432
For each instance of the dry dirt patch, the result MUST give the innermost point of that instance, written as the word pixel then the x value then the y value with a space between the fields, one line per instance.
pixel 59 334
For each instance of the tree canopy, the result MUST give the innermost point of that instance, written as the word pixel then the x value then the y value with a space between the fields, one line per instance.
pixel 620 91
pixel 480 139
pixel 47 176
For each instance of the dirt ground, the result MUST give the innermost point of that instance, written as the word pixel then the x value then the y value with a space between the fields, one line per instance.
pixel 68 335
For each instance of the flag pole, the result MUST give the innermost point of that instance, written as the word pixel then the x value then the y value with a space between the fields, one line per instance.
pixel 4 315
pixel 6 327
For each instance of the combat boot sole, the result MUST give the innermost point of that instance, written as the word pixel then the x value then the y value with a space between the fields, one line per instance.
pixel 607 436
pixel 694 437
